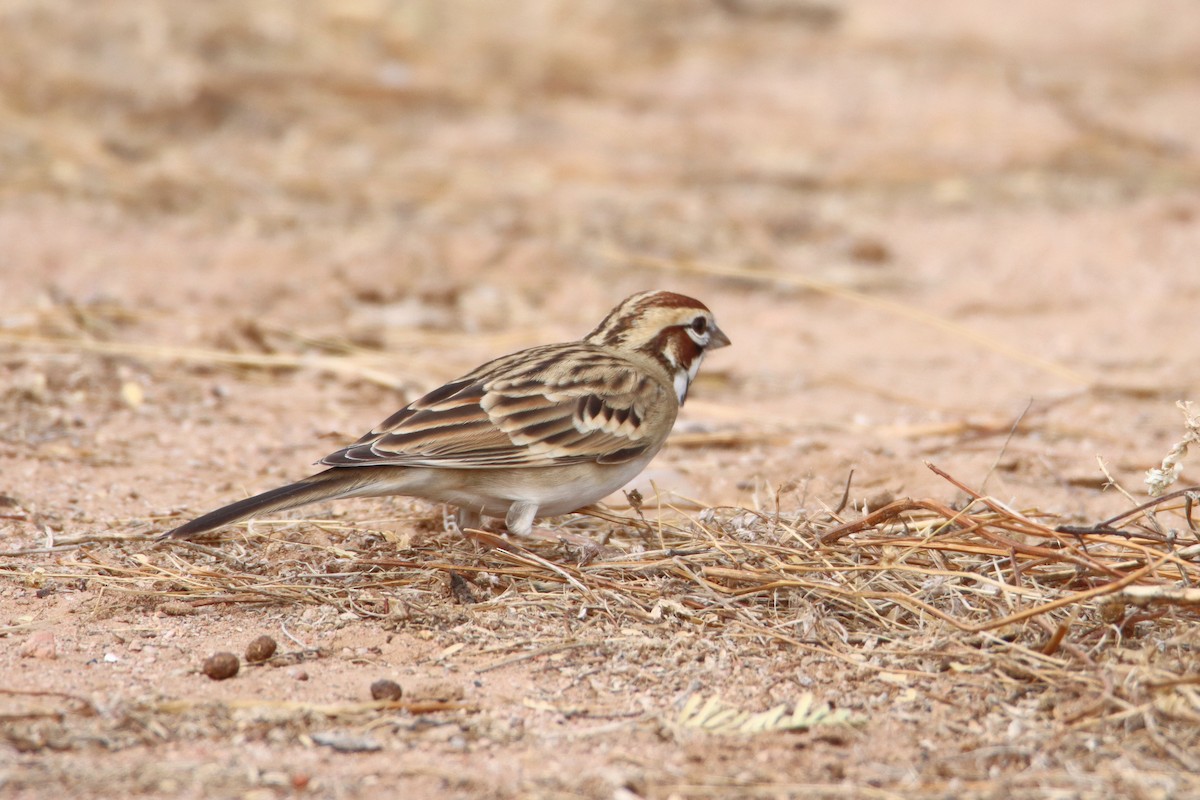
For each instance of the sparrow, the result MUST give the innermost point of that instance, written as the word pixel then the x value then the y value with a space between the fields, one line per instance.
pixel 538 433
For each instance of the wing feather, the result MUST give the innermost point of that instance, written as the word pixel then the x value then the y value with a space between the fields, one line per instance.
pixel 548 406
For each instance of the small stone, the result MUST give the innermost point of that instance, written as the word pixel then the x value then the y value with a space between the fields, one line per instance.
pixel 133 394
pixel 870 251
pixel 260 649
pixel 220 666
pixel 384 689
pixel 40 644
pixel 346 742
pixel 297 673
pixel 460 590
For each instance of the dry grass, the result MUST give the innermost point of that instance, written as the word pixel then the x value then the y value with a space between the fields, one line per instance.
pixel 1099 620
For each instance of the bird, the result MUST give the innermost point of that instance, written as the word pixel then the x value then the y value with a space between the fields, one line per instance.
pixel 538 433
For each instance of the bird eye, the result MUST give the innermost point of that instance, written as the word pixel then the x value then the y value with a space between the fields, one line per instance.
pixel 700 324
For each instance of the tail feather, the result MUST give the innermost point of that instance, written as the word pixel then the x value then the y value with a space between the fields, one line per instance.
pixel 328 485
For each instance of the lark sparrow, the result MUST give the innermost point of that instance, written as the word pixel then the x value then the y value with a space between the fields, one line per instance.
pixel 542 432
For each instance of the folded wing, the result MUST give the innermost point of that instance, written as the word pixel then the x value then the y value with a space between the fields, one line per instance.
pixel 549 408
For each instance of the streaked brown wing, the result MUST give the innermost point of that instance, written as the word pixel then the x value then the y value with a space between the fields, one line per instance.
pixel 548 406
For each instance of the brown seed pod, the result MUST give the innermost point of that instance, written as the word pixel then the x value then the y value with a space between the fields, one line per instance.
pixel 220 666
pixel 260 649
pixel 384 689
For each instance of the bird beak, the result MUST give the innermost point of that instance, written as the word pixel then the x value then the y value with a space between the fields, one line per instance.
pixel 717 338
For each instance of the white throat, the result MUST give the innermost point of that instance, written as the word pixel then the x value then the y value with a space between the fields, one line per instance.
pixel 684 378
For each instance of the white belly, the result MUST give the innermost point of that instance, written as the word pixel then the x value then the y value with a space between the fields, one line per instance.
pixel 555 490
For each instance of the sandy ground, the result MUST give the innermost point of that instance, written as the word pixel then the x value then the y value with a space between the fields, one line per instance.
pixel 235 236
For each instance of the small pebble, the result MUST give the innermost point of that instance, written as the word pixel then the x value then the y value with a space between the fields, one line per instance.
pixel 220 666
pixel 460 590
pixel 297 674
pixel 345 742
pixel 260 649
pixel 385 689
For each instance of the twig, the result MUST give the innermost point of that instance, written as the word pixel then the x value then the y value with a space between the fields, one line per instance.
pixel 1004 448
pixel 341 365
pixel 532 654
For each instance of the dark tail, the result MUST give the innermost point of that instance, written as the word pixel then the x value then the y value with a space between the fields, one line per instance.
pixel 328 485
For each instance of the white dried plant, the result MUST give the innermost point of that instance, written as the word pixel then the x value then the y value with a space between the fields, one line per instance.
pixel 1159 479
pixel 712 716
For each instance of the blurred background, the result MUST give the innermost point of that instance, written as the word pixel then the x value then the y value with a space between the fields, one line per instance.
pixel 235 235
pixel 918 221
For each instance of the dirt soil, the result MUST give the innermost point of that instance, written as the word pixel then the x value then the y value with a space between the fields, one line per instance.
pixel 234 236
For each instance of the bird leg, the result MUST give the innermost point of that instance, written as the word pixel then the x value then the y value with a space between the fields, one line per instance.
pixel 519 519
pixel 465 518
